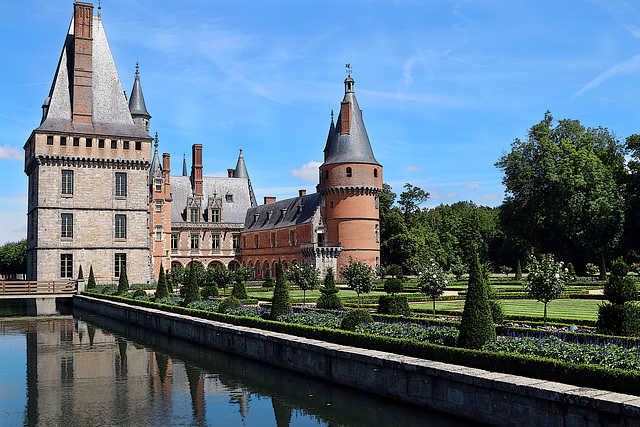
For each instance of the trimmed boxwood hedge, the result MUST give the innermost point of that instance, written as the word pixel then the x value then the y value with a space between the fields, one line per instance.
pixel 534 367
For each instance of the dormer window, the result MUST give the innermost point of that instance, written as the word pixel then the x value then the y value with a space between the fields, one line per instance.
pixel 300 207
pixel 349 173
pixel 215 215
pixel 269 213
pixel 158 185
pixel 255 217
pixel 193 214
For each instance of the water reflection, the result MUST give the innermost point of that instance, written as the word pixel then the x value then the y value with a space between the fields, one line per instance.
pixel 89 371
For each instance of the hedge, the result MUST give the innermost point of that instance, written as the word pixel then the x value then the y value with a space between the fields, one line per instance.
pixel 534 367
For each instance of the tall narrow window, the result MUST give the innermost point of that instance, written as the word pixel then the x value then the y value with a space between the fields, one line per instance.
pixel 121 184
pixel 375 173
pixel 158 205
pixel 349 172
pixel 193 214
pixel 120 262
pixel 273 240
pixel 195 242
pixel 67 183
pixel 292 237
pixel 138 145
pixel 236 241
pixel 125 145
pixel 159 233
pixel 175 238
pixel 101 143
pixel 76 142
pixel 67 226
pixel 158 183
pixel 49 140
pixel 257 241
pixel 63 141
pixel 377 233
pixel 121 227
pixel 88 142
pixel 114 144
pixel 244 242
pixel 215 242
pixel 66 266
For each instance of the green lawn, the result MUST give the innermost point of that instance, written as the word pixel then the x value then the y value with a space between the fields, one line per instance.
pixel 315 294
pixel 564 308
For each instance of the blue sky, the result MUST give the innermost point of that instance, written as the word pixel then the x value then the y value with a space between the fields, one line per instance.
pixel 445 86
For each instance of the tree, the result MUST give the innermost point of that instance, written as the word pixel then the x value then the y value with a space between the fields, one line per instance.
pixel 477 326
pixel 161 289
pixel 305 277
pixel 91 283
pixel 519 270
pixel 546 280
pixel 123 282
pixel 190 291
pixel 562 190
pixel 620 316
pixel 329 298
pixel 13 258
pixel 281 303
pixel 359 277
pixel 432 281
pixel 177 276
pixel 411 199
pixel 221 276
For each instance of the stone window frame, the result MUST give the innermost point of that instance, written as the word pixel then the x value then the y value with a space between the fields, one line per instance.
pixel 349 172
pixel 138 145
pixel 101 143
pixel 158 185
pixel 114 144
pixel 194 215
pixel 158 206
pixel 216 215
pixel 235 240
pixel 120 227
pixel 274 240
pixel 216 242
pixel 376 232
pixel 175 241
pixel 158 233
pixel 228 198
pixel 76 141
pixel 49 139
pixel 195 242
pixel 63 141
pixel 257 240
pixel 119 261
pixel 121 184
pixel 66 266
pixel 244 242
pixel 88 142
pixel 66 185
pixel 66 226
pixel 125 144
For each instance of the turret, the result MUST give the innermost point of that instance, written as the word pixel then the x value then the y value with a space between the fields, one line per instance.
pixel 351 181
pixel 137 107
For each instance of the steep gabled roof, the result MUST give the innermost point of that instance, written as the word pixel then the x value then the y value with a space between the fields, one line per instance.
pixel 110 112
pixel 353 145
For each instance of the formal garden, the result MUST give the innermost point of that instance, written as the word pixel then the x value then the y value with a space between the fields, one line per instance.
pixel 541 322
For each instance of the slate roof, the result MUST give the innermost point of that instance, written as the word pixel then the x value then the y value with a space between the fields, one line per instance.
pixel 234 212
pixel 291 217
pixel 110 114
pixel 136 100
pixel 352 147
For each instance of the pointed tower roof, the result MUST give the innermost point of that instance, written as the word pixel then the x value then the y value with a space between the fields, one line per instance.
pixel 88 98
pixel 155 169
pixel 136 101
pixel 241 169
pixel 184 164
pixel 348 141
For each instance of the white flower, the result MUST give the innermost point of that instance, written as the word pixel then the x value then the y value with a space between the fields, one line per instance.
pixel 446 282
pixel 557 275
pixel 435 276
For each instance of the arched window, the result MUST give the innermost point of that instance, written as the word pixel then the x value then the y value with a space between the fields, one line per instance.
pixel 375 173
pixel 348 172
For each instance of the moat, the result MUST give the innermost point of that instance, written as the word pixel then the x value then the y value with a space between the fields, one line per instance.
pixel 80 370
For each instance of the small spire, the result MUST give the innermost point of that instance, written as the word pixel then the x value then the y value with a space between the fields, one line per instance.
pixel 241 169
pixel 349 69
pixel 184 164
pixel 156 144
pixel 348 82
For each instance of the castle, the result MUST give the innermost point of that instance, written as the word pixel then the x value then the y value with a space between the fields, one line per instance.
pixel 100 196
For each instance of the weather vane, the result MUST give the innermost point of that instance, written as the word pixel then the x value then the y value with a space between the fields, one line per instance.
pixel 348 67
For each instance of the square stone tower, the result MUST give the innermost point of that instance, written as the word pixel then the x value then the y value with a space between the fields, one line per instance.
pixel 88 168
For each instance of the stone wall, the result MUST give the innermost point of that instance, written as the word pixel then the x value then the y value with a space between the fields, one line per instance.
pixel 482 396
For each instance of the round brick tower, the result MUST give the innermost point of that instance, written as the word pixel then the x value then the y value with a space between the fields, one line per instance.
pixel 351 181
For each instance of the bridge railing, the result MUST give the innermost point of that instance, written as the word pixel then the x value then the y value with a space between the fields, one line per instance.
pixel 37 287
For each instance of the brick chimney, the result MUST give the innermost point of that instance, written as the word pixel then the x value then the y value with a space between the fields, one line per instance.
pixel 166 166
pixel 269 200
pixel 82 90
pixel 345 116
pixel 196 170
pixel 302 193
pixel 230 173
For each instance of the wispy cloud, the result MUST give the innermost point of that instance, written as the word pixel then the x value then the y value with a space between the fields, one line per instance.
pixel 472 186
pixel 490 198
pixel 420 58
pixel 414 169
pixel 307 172
pixel 11 153
pixel 626 67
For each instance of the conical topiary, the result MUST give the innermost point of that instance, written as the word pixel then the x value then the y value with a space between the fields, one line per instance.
pixel 477 326
pixel 281 303
pixel 329 298
pixel 123 283
pixel 80 275
pixel 91 284
pixel 190 290
pixel 161 289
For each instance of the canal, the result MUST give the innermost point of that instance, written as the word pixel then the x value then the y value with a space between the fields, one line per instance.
pixel 85 370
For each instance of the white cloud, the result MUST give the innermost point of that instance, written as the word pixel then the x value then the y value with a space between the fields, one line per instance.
pixel 490 198
pixel 472 186
pixel 414 169
pixel 11 153
pixel 307 172
pixel 626 67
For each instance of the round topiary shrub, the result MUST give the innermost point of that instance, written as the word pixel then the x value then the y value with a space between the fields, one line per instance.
pixel 227 303
pixel 209 291
pixel 329 302
pixel 619 319
pixel 355 317
pixel 139 293
pixel 393 285
pixel 396 305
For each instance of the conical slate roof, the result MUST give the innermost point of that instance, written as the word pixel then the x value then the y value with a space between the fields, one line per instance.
pixel 110 112
pixel 136 101
pixel 354 146
pixel 241 169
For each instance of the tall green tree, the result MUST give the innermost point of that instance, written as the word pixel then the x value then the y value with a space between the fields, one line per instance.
pixel 305 277
pixel 161 289
pixel 477 326
pixel 411 199
pixel 431 281
pixel 546 280
pixel 13 258
pixel 123 282
pixel 562 190
pixel 221 276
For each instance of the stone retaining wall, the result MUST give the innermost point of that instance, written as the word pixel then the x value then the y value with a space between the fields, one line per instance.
pixel 483 396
